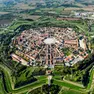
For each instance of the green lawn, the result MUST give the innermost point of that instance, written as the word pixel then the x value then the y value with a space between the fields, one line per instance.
pixel 41 77
pixel 2 90
pixel 70 91
pixel 92 27
pixel 57 77
pixel 90 79
pixel 61 83
pixel 7 78
pixel 18 23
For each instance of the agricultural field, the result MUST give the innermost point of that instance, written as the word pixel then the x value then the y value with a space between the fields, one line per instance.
pixel 23 6
pixel 87 8
pixel 27 16
pixel 2 13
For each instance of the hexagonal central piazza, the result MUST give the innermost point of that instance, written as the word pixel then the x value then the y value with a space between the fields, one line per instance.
pixel 49 46
pixel 50 41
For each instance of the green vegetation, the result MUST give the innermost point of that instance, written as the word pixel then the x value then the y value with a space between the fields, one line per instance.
pixel 91 78
pixel 70 91
pixel 9 84
pixel 2 90
pixel 40 83
pixel 92 43
pixel 24 77
pixel 40 77
pixel 66 51
pixel 36 91
pixel 79 73
pixel 62 83
pixel 53 89
pixel 29 78
pixel 92 28
pixel 30 86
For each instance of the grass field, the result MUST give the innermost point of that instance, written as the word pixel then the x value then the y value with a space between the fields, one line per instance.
pixel 27 16
pixel 55 10
pixel 61 83
pixel 2 13
pixel 41 77
pixel 87 8
pixel 57 77
pixel 23 6
pixel 70 91
pixel 2 91
pixel 16 24
pixel 92 28
pixel 90 79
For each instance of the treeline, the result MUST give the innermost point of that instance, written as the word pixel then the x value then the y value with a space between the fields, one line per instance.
pixel 22 83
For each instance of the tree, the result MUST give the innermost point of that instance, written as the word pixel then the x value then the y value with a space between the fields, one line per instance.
pixel 52 89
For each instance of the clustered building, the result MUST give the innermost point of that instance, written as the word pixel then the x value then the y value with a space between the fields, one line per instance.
pixel 43 47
